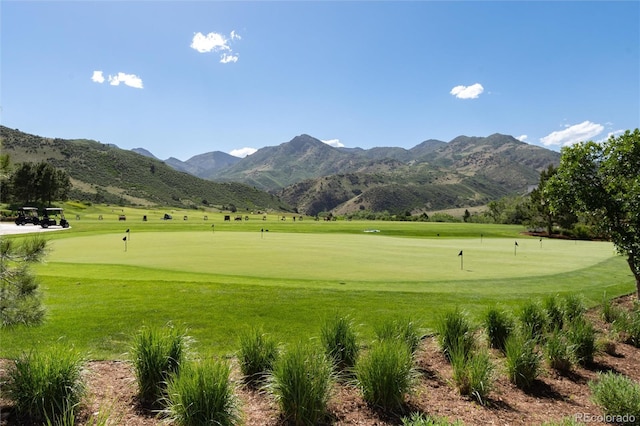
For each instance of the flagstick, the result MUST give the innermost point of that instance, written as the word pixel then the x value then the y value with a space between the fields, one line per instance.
pixel 462 262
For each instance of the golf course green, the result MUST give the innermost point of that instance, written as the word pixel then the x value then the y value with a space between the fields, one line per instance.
pixel 101 283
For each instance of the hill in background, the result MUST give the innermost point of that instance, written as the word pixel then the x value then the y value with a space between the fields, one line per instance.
pixel 104 173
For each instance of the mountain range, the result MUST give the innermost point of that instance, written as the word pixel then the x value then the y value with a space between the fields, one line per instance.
pixel 303 174
pixel 315 177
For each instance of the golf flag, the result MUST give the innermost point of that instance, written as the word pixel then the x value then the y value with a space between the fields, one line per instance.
pixel 127 231
pixel 516 243
pixel 124 239
pixel 460 254
pixel 461 260
pixel 515 248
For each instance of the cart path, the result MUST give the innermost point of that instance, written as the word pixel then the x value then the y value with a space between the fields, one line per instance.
pixel 9 228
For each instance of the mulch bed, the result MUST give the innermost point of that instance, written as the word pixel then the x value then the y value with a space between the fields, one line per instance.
pixel 111 385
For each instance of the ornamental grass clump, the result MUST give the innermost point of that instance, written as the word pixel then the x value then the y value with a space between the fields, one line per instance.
pixel 498 325
pixel 385 374
pixel 202 394
pixel 574 307
pixel 582 338
pixel 301 382
pixel 454 330
pixel 340 342
pixel 609 312
pixel 554 311
pixel 157 355
pixel 258 352
pixel 522 360
pixel 533 320
pixel 46 385
pixel 472 373
pixel 558 353
pixel 619 397
pixel 405 330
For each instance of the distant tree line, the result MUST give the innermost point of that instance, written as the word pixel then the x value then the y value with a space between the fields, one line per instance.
pixel 34 183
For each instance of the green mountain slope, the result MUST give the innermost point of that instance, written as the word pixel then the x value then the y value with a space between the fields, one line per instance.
pixel 105 173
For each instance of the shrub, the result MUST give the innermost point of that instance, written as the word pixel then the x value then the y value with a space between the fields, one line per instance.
pixel 301 383
pixel 574 307
pixel 472 373
pixel 257 354
pixel 46 384
pixel 340 342
pixel 499 326
pixel 582 338
pixel 554 313
pixel 385 374
pixel 202 395
pixel 618 396
pixel 558 352
pixel 532 320
pixel 404 330
pixel 522 360
pixel 156 355
pixel 419 419
pixel 454 329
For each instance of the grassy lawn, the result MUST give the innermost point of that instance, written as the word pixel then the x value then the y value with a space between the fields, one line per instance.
pixel 217 280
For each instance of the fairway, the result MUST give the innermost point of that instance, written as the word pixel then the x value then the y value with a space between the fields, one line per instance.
pixel 99 289
pixel 365 261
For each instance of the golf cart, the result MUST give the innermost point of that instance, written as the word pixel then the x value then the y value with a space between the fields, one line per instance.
pixel 50 215
pixel 27 215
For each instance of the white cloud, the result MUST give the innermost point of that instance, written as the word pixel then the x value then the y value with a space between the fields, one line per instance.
pixel 573 134
pixel 216 42
pixel 130 80
pixel 97 77
pixel 212 42
pixel 334 143
pixel 467 92
pixel 242 152
pixel 522 138
pixel 225 59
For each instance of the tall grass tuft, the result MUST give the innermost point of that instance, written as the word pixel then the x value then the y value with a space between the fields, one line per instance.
pixel 46 385
pixel 618 395
pixel 557 352
pixel 582 338
pixel 522 360
pixel 532 320
pixel 498 325
pixel 340 342
pixel 609 312
pixel 555 313
pixel 258 352
pixel 472 373
pixel 301 383
pixel 574 307
pixel 454 330
pixel 156 355
pixel 628 325
pixel 385 374
pixel 202 395
pixel 405 330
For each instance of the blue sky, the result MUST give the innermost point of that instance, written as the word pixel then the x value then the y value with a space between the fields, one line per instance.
pixel 185 78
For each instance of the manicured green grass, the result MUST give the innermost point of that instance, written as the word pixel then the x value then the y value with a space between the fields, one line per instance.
pixel 219 280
